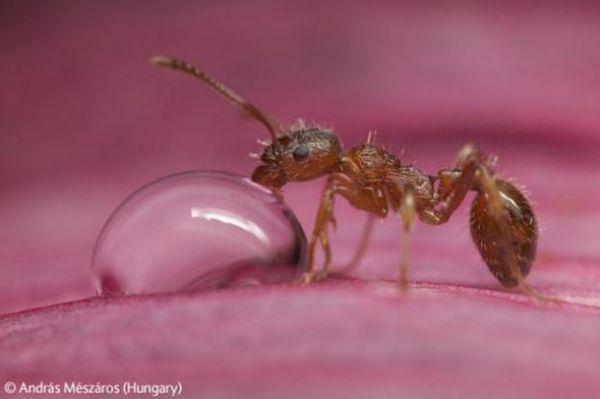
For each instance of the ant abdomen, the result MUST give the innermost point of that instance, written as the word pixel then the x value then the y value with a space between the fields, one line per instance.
pixel 497 248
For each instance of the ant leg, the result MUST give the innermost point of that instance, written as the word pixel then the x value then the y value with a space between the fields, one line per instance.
pixel 407 214
pixel 364 198
pixel 320 232
pixel 327 249
pixel 454 184
pixel 362 245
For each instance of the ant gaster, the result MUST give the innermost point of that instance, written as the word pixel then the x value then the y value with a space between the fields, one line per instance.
pixel 503 225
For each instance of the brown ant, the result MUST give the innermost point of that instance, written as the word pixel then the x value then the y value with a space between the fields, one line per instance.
pixel 503 225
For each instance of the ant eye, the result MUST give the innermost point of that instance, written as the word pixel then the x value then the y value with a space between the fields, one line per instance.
pixel 300 152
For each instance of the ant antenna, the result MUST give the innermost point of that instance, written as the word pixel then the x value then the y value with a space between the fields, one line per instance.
pixel 178 65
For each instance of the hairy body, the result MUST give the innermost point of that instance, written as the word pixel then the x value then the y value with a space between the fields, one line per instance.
pixel 503 225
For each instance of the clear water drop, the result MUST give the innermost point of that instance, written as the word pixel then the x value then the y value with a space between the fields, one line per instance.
pixel 196 231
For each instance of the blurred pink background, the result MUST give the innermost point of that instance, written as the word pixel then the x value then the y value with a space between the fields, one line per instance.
pixel 85 120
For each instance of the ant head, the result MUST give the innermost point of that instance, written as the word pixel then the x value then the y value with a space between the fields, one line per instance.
pixel 300 153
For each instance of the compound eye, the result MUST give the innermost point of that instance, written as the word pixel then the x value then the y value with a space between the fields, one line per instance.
pixel 300 152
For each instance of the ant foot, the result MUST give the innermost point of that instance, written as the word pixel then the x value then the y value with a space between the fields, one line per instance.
pixel 322 275
pixel 403 282
pixel 307 278
pixel 541 298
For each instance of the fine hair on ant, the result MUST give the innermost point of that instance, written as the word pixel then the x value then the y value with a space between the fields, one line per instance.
pixel 502 223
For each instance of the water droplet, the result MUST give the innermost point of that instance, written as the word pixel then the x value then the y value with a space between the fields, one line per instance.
pixel 196 231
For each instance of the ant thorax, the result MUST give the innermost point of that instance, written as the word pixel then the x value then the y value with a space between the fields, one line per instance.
pixel 370 163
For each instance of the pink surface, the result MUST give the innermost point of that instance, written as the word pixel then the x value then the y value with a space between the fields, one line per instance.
pixel 86 120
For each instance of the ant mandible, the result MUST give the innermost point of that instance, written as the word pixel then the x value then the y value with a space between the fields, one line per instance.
pixel 503 225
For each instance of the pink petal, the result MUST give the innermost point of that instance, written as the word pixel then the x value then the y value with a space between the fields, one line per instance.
pixel 87 120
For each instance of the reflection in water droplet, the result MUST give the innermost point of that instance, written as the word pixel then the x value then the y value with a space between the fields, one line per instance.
pixel 195 231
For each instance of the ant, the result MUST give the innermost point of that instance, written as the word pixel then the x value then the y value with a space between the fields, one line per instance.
pixel 502 223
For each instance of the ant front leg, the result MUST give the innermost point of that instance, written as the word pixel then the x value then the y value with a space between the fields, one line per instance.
pixel 320 231
pixel 362 197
